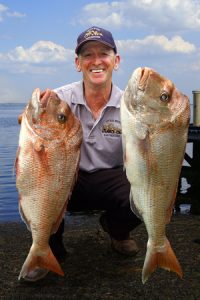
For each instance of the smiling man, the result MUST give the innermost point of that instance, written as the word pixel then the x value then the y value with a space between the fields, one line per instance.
pixel 101 183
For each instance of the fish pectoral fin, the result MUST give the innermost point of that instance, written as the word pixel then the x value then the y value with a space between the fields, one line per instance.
pixel 141 130
pixel 39 145
pixel 20 118
pixel 165 259
pixel 46 261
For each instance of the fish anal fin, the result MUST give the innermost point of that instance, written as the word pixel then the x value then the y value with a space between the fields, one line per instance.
pixel 23 217
pixel 165 259
pixel 16 165
pixel 59 219
pixel 171 206
pixel 46 261
pixel 134 208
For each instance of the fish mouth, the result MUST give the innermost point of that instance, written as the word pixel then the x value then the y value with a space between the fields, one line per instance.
pixel 40 113
pixel 40 103
pixel 143 79
pixel 34 108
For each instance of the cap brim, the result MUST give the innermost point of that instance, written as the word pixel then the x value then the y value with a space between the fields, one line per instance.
pixel 77 50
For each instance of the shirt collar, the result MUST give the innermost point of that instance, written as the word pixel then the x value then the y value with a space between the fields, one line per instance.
pixel 116 93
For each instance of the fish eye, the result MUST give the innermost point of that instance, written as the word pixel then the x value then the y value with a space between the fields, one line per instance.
pixel 164 97
pixel 61 118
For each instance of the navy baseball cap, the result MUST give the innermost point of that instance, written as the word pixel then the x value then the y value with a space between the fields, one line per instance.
pixel 95 34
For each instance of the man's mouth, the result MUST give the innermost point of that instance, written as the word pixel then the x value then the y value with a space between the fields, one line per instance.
pixel 97 70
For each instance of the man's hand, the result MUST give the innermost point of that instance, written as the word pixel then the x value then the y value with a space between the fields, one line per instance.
pixel 44 96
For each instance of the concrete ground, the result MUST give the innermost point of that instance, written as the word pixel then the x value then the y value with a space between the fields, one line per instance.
pixel 94 272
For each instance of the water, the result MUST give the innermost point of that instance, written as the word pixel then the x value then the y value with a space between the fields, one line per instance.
pixel 9 135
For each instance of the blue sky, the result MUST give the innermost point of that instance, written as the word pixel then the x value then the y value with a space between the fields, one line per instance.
pixel 38 37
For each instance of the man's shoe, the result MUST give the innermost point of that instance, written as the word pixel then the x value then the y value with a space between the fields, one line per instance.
pixel 126 247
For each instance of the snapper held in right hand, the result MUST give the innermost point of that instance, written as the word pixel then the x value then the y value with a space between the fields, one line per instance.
pixel 46 166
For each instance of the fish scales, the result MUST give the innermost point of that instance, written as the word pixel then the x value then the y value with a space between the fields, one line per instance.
pixel 46 166
pixel 154 133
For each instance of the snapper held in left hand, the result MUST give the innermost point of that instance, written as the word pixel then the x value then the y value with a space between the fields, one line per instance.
pixel 46 165
pixel 155 120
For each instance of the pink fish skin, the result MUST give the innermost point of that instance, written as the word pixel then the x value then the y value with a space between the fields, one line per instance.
pixel 155 118
pixel 46 166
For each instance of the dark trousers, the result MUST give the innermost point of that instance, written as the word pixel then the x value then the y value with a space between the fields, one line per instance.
pixel 106 190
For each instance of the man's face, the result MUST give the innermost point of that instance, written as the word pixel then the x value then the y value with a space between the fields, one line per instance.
pixel 97 62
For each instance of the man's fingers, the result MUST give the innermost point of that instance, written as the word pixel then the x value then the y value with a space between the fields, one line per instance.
pixel 45 96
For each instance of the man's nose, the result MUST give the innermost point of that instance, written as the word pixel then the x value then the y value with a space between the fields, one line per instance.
pixel 97 59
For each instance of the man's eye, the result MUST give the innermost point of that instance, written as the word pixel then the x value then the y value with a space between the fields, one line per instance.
pixel 105 54
pixel 85 55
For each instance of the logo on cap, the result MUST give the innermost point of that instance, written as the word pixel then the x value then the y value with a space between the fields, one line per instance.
pixel 92 33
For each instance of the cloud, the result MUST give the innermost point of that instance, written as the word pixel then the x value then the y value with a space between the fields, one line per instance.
pixel 5 12
pixel 103 13
pixel 3 9
pixel 154 44
pixel 47 57
pixel 157 15
pixel 16 14
pixel 41 52
pixel 42 56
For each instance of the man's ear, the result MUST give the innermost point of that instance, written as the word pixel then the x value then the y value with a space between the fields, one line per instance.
pixel 117 62
pixel 77 63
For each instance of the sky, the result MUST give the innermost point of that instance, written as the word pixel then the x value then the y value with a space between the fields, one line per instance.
pixel 38 38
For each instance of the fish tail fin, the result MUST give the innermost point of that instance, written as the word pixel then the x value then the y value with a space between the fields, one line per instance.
pixel 45 261
pixel 164 258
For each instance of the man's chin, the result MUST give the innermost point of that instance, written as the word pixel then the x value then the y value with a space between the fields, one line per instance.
pixel 98 79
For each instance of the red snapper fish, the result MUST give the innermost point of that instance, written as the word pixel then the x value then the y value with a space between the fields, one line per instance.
pixel 46 166
pixel 155 119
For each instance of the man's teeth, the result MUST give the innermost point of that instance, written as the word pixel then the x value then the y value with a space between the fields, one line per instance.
pixel 97 71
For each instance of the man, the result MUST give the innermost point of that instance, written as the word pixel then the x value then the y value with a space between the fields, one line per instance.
pixel 101 182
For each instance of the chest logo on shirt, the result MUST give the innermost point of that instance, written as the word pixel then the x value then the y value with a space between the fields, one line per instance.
pixel 112 128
